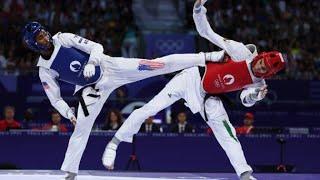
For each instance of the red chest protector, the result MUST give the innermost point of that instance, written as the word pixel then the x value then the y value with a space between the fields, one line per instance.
pixel 226 77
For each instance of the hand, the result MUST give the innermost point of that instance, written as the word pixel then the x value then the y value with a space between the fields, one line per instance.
pixel 89 70
pixel 73 120
pixel 197 5
pixel 72 117
pixel 260 93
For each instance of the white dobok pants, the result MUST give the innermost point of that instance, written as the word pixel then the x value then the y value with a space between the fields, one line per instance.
pixel 117 71
pixel 187 85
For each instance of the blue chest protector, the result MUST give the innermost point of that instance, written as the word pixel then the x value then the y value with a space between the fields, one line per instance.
pixel 69 63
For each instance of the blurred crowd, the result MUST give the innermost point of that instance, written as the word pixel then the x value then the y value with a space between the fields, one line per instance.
pixel 290 26
pixel 107 22
pixel 112 120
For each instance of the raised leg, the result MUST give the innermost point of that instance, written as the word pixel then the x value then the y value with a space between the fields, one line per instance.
pixel 173 91
pixel 127 70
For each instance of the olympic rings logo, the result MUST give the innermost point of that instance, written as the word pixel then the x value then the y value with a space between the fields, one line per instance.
pixel 167 46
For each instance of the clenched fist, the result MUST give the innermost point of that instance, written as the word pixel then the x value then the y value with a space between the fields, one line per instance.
pixel 198 4
pixel 89 70
pixel 259 93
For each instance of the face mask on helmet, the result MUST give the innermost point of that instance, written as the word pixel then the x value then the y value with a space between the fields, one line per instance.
pixel 30 32
pixel 273 62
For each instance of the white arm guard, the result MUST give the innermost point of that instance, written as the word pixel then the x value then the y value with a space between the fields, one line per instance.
pixel 250 95
pixel 246 98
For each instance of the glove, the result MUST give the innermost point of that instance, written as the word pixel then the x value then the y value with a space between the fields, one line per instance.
pixel 72 117
pixel 198 4
pixel 89 70
pixel 259 93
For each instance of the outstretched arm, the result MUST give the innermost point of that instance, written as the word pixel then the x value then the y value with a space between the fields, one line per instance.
pixel 52 89
pixel 203 26
pixel 238 51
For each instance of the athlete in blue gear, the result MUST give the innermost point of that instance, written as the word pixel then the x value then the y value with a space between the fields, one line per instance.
pixel 73 59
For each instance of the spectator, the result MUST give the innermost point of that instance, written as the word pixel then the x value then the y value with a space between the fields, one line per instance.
pixel 149 127
pixel 11 66
pixel 3 61
pixel 113 120
pixel 88 18
pixel 27 119
pixel 288 17
pixel 55 124
pixel 130 43
pixel 247 124
pixel 121 97
pixel 121 94
pixel 182 125
pixel 208 131
pixel 9 122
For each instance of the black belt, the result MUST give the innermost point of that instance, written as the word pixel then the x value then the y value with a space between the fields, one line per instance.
pixel 81 100
pixel 223 97
pixel 202 70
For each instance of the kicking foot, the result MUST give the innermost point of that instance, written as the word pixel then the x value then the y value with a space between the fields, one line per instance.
pixel 247 176
pixel 71 176
pixel 109 155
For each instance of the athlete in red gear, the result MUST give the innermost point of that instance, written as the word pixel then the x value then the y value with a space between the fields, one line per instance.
pixel 236 67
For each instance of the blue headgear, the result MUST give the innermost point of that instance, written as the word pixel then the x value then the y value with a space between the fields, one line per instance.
pixel 29 34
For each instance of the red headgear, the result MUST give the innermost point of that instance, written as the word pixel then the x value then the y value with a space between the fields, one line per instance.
pixel 249 115
pixel 274 63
